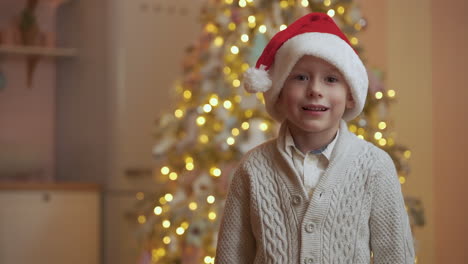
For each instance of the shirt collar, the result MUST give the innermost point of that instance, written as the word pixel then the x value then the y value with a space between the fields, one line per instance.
pixel 289 144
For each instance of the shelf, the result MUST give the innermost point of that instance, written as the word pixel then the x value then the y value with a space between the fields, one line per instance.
pixel 36 50
pixel 48 186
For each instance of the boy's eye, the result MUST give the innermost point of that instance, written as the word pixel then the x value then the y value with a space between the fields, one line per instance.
pixel 331 79
pixel 301 77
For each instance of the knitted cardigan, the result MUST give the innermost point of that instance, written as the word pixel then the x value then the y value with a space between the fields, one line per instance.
pixel 356 208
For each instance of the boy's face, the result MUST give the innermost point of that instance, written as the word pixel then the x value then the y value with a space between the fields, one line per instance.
pixel 314 96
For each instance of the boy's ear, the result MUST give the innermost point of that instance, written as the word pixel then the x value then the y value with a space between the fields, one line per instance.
pixel 350 103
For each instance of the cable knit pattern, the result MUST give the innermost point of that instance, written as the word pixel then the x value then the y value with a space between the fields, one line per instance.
pixel 357 207
pixel 270 205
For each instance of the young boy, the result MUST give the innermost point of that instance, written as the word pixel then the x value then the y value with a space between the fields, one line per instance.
pixel 316 193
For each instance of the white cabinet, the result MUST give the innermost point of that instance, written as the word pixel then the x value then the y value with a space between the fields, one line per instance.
pixel 49 224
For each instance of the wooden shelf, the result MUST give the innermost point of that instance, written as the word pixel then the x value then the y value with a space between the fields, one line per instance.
pixel 52 186
pixel 36 50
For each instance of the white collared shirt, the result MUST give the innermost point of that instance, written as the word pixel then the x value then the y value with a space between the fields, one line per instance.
pixel 309 166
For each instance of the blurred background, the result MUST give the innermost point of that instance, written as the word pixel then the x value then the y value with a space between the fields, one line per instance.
pixel 120 121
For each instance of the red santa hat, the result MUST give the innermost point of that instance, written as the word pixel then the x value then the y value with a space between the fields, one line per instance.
pixel 314 34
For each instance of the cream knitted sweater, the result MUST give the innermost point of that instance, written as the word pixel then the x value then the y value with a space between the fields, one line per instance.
pixel 357 207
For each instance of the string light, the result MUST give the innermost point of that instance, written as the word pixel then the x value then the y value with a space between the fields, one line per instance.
pixel 214 100
pixel 227 104
pixel 378 135
pixel 212 215
pixel 235 132
pixel 382 142
pixel 402 180
pixel 157 210
pixel 161 252
pixel 141 219
pixel 230 141
pixel 215 171
pixel 353 128
pixel 245 125
pixel 184 225
pixel 305 3
pixel 193 206
pixel 166 240
pixel 201 120
pixel 166 223
pixel 178 113
pixel 245 37
pixel 331 13
pixel 326 2
pixel 382 125
pixel 354 41
pixel 180 231
pixel 407 154
pixel 283 27
pixel 232 26
pixel 203 138
pixel 140 196
pixel 234 50
pixel 236 83
pixel 340 10
pixel 263 126
pixel 227 70
pixel 165 170
pixel 168 197
pixel 242 3
pixel 187 94
pixel 391 93
pixel 189 166
pixel 208 260
pixel 211 28
pixel 228 2
pixel 210 199
pixel 284 4
pixel 219 41
pixel 207 108
pixel 262 29
pixel 378 95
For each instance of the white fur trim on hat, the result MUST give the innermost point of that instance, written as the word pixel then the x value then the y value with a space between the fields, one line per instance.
pixel 328 47
pixel 257 80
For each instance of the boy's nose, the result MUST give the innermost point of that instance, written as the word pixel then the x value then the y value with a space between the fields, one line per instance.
pixel 314 89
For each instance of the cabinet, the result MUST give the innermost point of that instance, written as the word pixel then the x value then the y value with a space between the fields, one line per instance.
pixel 49 223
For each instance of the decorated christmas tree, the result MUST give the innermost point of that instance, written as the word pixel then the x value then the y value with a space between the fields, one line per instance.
pixel 215 122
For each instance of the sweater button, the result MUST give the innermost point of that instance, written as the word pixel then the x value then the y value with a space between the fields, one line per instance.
pixel 308 261
pixel 296 199
pixel 310 227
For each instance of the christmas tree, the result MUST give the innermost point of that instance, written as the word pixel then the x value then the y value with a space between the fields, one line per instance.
pixel 215 122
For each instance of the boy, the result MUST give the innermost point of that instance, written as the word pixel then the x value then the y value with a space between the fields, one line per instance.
pixel 316 193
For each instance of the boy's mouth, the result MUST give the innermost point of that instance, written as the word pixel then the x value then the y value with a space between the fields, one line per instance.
pixel 316 108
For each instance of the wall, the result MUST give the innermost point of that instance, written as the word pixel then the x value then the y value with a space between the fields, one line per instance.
pixel 450 127
pixel 397 41
pixel 409 71
pixel 27 111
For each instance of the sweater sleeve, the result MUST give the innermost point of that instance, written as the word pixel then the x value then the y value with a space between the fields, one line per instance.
pixel 236 242
pixel 391 240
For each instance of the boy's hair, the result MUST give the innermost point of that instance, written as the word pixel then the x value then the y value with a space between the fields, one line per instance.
pixel 314 34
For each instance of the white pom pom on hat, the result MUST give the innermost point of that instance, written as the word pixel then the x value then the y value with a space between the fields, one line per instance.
pixel 314 34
